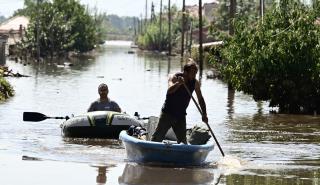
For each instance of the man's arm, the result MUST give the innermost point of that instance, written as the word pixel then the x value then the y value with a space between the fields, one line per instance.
pixel 174 83
pixel 116 107
pixel 201 101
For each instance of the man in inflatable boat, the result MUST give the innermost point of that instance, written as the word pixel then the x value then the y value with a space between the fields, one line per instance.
pixel 104 103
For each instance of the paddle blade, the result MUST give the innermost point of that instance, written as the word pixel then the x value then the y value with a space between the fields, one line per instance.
pixel 33 116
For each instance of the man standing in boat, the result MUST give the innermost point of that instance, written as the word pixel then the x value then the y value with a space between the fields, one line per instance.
pixel 173 112
pixel 104 103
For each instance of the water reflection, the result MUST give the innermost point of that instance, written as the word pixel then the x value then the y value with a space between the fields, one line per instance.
pixel 276 128
pixel 139 174
pixel 102 170
pixel 110 143
pixel 57 67
pixel 285 177
pixel 276 139
pixel 169 65
pixel 230 106
pixel 102 177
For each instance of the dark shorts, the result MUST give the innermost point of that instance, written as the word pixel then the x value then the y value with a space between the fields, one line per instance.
pixel 166 121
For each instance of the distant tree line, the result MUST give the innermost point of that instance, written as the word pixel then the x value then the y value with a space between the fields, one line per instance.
pixel 120 26
pixel 2 18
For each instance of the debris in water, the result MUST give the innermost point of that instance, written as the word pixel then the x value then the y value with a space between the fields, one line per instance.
pixel 27 158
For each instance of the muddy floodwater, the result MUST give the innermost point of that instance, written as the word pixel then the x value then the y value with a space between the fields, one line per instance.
pixel 261 148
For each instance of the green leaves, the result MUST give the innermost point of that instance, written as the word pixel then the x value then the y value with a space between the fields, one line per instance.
pixel 63 25
pixel 6 89
pixel 277 59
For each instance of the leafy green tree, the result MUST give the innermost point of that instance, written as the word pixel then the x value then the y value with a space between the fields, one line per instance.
pixel 222 20
pixel 278 59
pixel 245 8
pixel 64 25
pixel 2 18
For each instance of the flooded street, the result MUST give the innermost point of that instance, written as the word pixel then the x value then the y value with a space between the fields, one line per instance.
pixel 261 148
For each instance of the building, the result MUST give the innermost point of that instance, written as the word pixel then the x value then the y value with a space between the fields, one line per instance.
pixel 3 42
pixel 14 28
pixel 192 10
pixel 208 9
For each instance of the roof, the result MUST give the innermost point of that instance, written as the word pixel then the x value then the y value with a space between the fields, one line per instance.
pixel 213 2
pixel 14 23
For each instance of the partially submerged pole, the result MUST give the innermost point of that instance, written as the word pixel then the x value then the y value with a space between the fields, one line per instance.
pixel 38 32
pixel 261 8
pixel 233 8
pixel 134 26
pixel 190 42
pixel 146 18
pixel 182 29
pixel 160 27
pixel 169 21
pixel 141 25
pixel 200 39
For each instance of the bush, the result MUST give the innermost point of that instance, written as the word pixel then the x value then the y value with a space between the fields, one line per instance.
pixel 278 59
pixel 6 89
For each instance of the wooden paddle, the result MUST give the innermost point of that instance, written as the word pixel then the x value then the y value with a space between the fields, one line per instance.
pixel 199 109
pixel 36 116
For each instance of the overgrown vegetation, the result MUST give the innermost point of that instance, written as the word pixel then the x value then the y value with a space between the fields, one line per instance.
pixel 64 25
pixel 150 36
pixel 278 58
pixel 6 89
pixel 122 28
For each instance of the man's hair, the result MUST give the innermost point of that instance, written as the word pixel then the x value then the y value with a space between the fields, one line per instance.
pixel 102 85
pixel 189 65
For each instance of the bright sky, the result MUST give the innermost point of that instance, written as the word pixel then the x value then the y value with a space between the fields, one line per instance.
pixel 119 7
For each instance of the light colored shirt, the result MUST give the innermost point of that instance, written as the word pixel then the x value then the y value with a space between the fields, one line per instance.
pixel 103 106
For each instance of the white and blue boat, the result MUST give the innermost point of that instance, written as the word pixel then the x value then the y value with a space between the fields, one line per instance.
pixel 169 153
pixel 98 124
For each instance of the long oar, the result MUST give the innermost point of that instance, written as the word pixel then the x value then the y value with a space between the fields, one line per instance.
pixel 36 116
pixel 205 123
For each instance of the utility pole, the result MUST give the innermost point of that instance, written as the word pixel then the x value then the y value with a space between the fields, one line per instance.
pixel 182 28
pixel 153 17
pixel 160 29
pixel 200 39
pixel 146 18
pixel 38 31
pixel 141 25
pixel 138 25
pixel 233 8
pixel 169 20
pixel 134 26
pixel 190 44
pixel 261 8
pixel 187 33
